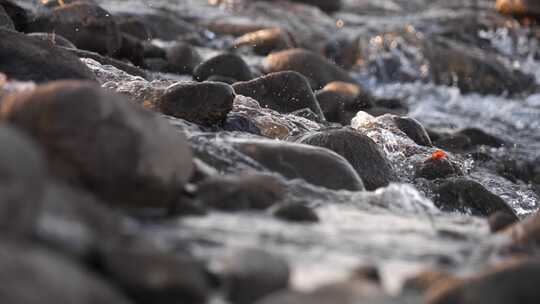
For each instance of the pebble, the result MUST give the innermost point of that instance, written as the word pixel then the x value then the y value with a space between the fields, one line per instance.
pixel 182 58
pixel 206 103
pixel 284 92
pixel 359 150
pixel 413 129
pixel 319 70
pixel 465 195
pixel 244 192
pixel 295 212
pixel 34 60
pixel 266 41
pixel 87 25
pixel 225 65
pixel 294 160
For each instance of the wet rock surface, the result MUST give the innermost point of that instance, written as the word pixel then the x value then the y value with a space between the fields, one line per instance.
pixel 464 195
pixel 282 91
pixel 5 20
pixel 53 39
pixel 315 67
pixel 251 274
pixel 509 283
pixel 359 150
pixel 251 191
pixel 149 275
pixel 23 171
pixel 295 212
pixel 296 161
pixel 51 277
pixel 182 58
pixel 223 65
pixel 87 25
pixel 265 41
pixel 29 59
pixel 107 127
pixel 436 179
pixel 203 103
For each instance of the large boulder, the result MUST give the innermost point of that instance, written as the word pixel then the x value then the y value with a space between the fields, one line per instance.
pixel 103 142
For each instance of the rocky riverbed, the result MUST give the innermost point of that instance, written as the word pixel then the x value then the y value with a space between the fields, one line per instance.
pixel 236 151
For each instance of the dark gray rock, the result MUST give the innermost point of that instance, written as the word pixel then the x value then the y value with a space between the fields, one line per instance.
pixel 500 220
pixel 149 275
pixel 472 69
pixel 251 274
pixel 105 60
pixel 295 212
pixel 75 222
pixel 413 129
pixel 27 58
pixel 242 123
pixel 5 20
pixel 227 65
pixel 297 161
pixel 319 70
pixel 182 58
pixel 510 283
pixel 359 150
pixel 103 142
pixel 480 138
pixel 87 25
pixel 17 14
pixel 453 142
pixel 54 39
pixel 340 101
pixel 325 5
pixel 51 278
pixel 433 168
pixel 332 104
pixel 266 41
pixel 206 103
pixel 244 192
pixel 464 195
pixel 22 175
pixel 130 49
pixel 284 92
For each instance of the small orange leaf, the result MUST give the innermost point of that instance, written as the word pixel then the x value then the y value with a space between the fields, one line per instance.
pixel 437 154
